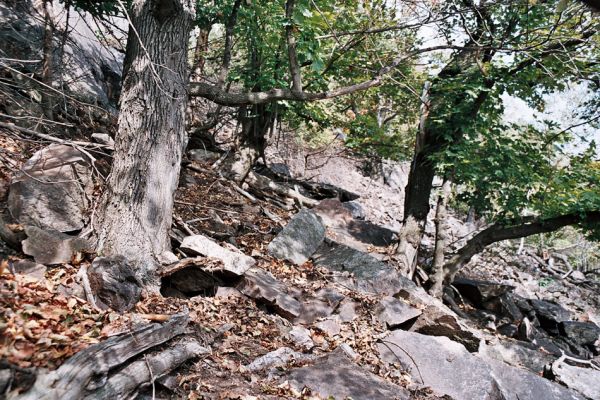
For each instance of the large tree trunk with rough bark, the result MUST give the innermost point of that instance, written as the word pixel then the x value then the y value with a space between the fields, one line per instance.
pixel 136 213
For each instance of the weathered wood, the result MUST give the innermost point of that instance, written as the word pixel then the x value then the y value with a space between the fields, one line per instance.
pixel 145 371
pixel 88 369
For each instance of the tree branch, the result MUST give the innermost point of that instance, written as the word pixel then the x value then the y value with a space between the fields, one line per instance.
pixel 497 232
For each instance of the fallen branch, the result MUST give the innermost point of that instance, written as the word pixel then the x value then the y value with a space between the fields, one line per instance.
pixel 86 372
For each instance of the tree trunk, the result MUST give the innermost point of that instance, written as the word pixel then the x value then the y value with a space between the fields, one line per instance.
pixel 251 141
pixel 441 239
pixel 135 216
pixel 48 49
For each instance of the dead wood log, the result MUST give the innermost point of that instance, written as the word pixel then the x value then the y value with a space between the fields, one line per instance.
pixel 264 184
pixel 87 371
pixel 144 372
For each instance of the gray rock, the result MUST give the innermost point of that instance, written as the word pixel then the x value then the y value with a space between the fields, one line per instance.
pixel 356 210
pixel 299 239
pixel 234 263
pixel 336 376
pixel 30 268
pixel 301 337
pixel 274 359
pixel 347 311
pixel 505 306
pixel 202 155
pixel 480 291
pixel 228 292
pixel 449 369
pixel 550 314
pixel 262 286
pixel 436 321
pixel 393 312
pixel 51 247
pixel 517 355
pixel 329 326
pixel 581 333
pixel 52 190
pixel 395 174
pixel 370 274
pixel 114 283
pixel 583 380
pixel 313 310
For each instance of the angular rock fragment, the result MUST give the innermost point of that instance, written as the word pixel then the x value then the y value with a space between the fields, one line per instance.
pixel 263 287
pixel 347 311
pixel 517 354
pixel 449 369
pixel 30 268
pixel 53 189
pixel 370 274
pixel 53 247
pixel 435 321
pixel 583 380
pixel 550 314
pixel 301 337
pixel 329 326
pixel 337 376
pixel 235 263
pixel 299 239
pixel 114 283
pixel 480 291
pixel 581 333
pixel 393 312
pixel 312 310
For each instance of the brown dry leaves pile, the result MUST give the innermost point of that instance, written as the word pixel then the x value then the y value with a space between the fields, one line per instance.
pixel 39 326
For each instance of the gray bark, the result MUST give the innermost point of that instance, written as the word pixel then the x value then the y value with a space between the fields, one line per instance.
pixel 137 208
pixel 441 239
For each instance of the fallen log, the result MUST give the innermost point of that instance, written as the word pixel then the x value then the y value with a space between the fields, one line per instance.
pixel 87 371
pixel 145 372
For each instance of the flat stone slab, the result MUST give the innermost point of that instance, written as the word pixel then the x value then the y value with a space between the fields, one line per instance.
pixel 277 358
pixel 299 239
pixel 337 376
pixel 263 287
pixel 517 354
pixel 370 275
pixel 449 369
pixel 584 380
pixel 53 189
pixel 235 263
pixel 393 312
pixel 52 247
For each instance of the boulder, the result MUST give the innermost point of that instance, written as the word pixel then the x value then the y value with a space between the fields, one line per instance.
pixel 234 263
pixel 299 239
pixel 583 380
pixel 581 333
pixel 436 321
pixel 449 369
pixel 480 292
pixel 393 312
pixel 505 306
pixel 52 247
pixel 114 283
pixel 263 287
pixel 370 275
pixel 53 190
pixel 549 315
pixel 517 354
pixel 337 376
